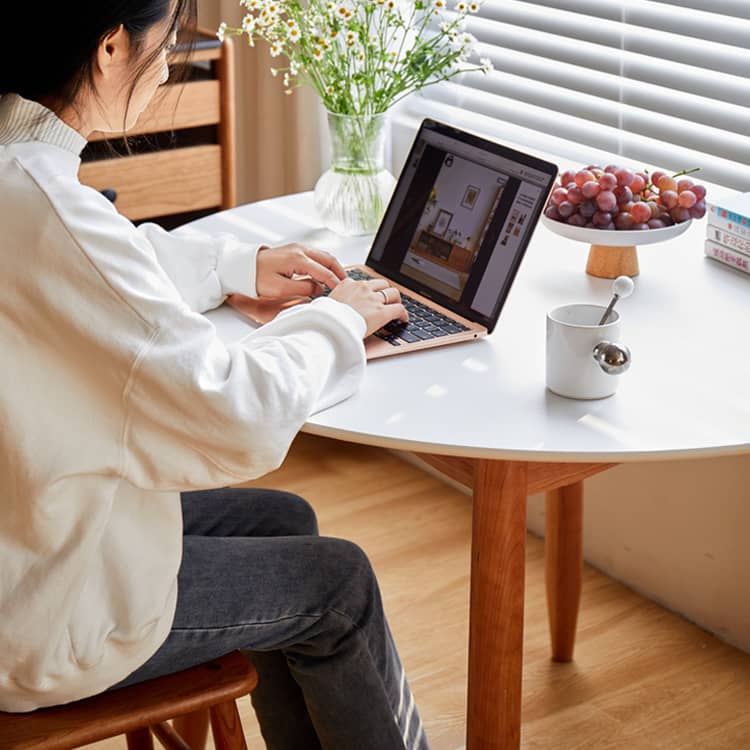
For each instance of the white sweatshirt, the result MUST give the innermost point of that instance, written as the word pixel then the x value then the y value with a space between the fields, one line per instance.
pixel 115 395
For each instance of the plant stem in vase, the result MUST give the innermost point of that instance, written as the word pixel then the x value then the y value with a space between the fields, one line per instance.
pixel 352 195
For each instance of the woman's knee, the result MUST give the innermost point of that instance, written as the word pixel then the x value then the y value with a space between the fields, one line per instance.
pixel 299 516
pixel 284 513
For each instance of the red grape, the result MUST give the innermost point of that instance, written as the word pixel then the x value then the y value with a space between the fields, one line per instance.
pixel 559 195
pixel 575 196
pixel 669 198
pixel 583 176
pixel 623 194
pixel 569 175
pixel 624 177
pixel 565 209
pixel 608 181
pixel 698 211
pixel 590 189
pixel 637 184
pixel 680 213
pixel 624 220
pixel 666 183
pixel 687 199
pixel 641 212
pixel 606 201
pixel 587 209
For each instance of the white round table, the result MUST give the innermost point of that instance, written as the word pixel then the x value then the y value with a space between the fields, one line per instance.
pixel 480 412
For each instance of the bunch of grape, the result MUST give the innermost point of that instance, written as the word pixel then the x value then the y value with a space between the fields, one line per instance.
pixel 614 197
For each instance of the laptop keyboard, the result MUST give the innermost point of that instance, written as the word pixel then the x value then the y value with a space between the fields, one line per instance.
pixel 424 322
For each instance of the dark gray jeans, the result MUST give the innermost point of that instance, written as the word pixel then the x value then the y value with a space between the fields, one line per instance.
pixel 256 576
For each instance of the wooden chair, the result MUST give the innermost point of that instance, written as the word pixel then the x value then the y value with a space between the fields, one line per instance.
pixel 191 697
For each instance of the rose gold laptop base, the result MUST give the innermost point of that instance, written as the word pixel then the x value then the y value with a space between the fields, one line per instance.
pixel 262 310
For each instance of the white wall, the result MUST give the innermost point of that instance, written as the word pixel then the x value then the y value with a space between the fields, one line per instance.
pixel 677 532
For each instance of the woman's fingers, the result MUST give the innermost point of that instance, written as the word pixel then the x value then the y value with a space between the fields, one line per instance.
pixel 284 287
pixel 308 266
pixel 327 261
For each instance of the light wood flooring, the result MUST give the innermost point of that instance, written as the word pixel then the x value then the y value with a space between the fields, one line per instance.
pixel 643 678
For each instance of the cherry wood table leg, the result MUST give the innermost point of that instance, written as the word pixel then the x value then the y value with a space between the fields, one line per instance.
pixel 563 553
pixel 496 609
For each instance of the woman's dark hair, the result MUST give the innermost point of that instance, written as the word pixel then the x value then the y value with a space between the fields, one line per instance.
pixel 54 60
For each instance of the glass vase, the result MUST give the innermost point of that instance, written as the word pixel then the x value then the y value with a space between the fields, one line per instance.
pixel 352 195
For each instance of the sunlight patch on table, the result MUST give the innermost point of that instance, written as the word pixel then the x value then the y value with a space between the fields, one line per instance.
pixel 436 391
pixel 251 226
pixel 474 365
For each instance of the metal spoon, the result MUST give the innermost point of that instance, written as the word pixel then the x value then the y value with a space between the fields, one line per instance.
pixel 623 287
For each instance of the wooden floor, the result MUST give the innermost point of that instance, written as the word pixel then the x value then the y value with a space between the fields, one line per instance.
pixel 643 678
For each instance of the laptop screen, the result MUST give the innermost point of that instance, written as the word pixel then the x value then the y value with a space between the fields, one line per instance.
pixel 460 219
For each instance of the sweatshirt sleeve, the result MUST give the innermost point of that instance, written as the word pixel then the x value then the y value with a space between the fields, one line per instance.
pixel 205 269
pixel 202 414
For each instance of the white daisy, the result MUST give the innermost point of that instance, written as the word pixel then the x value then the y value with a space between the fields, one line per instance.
pixel 222 32
pixel 461 6
pixel 275 49
pixel 486 64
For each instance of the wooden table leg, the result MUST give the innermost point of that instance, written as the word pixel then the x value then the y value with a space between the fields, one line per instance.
pixel 496 609
pixel 563 553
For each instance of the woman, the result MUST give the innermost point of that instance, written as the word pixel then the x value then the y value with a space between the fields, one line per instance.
pixel 117 396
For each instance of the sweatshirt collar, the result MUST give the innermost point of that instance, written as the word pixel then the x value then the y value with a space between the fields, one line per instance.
pixel 22 120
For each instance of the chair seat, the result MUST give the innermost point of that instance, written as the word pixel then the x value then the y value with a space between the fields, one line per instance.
pixel 129 708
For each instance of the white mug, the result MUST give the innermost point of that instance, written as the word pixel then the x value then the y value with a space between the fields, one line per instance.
pixel 579 361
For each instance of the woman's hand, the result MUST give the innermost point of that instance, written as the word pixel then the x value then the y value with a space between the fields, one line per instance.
pixel 375 300
pixel 278 267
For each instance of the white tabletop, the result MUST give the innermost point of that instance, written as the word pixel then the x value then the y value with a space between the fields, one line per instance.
pixel 687 393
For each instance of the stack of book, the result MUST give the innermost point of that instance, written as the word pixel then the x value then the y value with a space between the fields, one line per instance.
pixel 728 231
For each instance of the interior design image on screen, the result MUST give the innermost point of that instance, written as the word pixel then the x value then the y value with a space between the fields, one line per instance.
pixel 460 218
pixel 456 218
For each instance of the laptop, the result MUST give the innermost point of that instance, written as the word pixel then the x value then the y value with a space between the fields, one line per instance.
pixel 451 241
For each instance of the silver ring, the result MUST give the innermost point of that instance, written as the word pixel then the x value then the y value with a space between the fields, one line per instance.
pixel 385 296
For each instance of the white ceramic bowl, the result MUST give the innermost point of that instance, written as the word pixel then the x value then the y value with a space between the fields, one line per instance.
pixel 614 237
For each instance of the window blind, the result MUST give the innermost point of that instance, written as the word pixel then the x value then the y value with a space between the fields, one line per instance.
pixel 659 82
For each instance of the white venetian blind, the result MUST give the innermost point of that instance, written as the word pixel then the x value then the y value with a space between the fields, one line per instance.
pixel 659 82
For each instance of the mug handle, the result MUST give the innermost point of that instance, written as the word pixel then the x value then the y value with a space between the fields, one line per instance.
pixel 613 358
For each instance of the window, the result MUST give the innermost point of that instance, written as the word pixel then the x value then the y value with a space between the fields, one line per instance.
pixel 659 82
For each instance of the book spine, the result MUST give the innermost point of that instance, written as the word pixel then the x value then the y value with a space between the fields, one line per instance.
pixel 729 257
pixel 734 216
pixel 716 220
pixel 730 240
